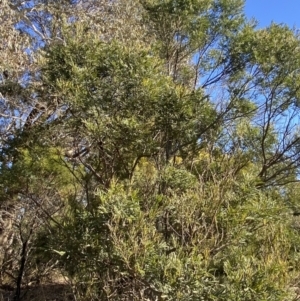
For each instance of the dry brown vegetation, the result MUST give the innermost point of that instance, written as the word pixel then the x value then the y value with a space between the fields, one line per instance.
pixel 56 288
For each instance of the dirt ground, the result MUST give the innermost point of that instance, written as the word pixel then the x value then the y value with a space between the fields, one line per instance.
pixel 49 292
pixel 54 290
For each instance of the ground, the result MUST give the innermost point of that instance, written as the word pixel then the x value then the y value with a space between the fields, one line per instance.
pixel 57 289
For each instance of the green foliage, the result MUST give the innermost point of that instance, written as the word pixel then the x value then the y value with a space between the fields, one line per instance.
pixel 217 241
pixel 159 163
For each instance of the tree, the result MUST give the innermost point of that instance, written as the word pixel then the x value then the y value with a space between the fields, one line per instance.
pixel 155 148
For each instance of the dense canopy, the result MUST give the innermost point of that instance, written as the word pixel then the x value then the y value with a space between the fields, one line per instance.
pixel 149 150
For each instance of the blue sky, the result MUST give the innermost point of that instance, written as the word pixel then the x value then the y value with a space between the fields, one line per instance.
pixel 279 11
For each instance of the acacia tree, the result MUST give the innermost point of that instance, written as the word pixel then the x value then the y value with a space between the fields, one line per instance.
pixel 147 147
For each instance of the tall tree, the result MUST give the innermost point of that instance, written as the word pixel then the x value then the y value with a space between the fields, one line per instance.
pixel 152 143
